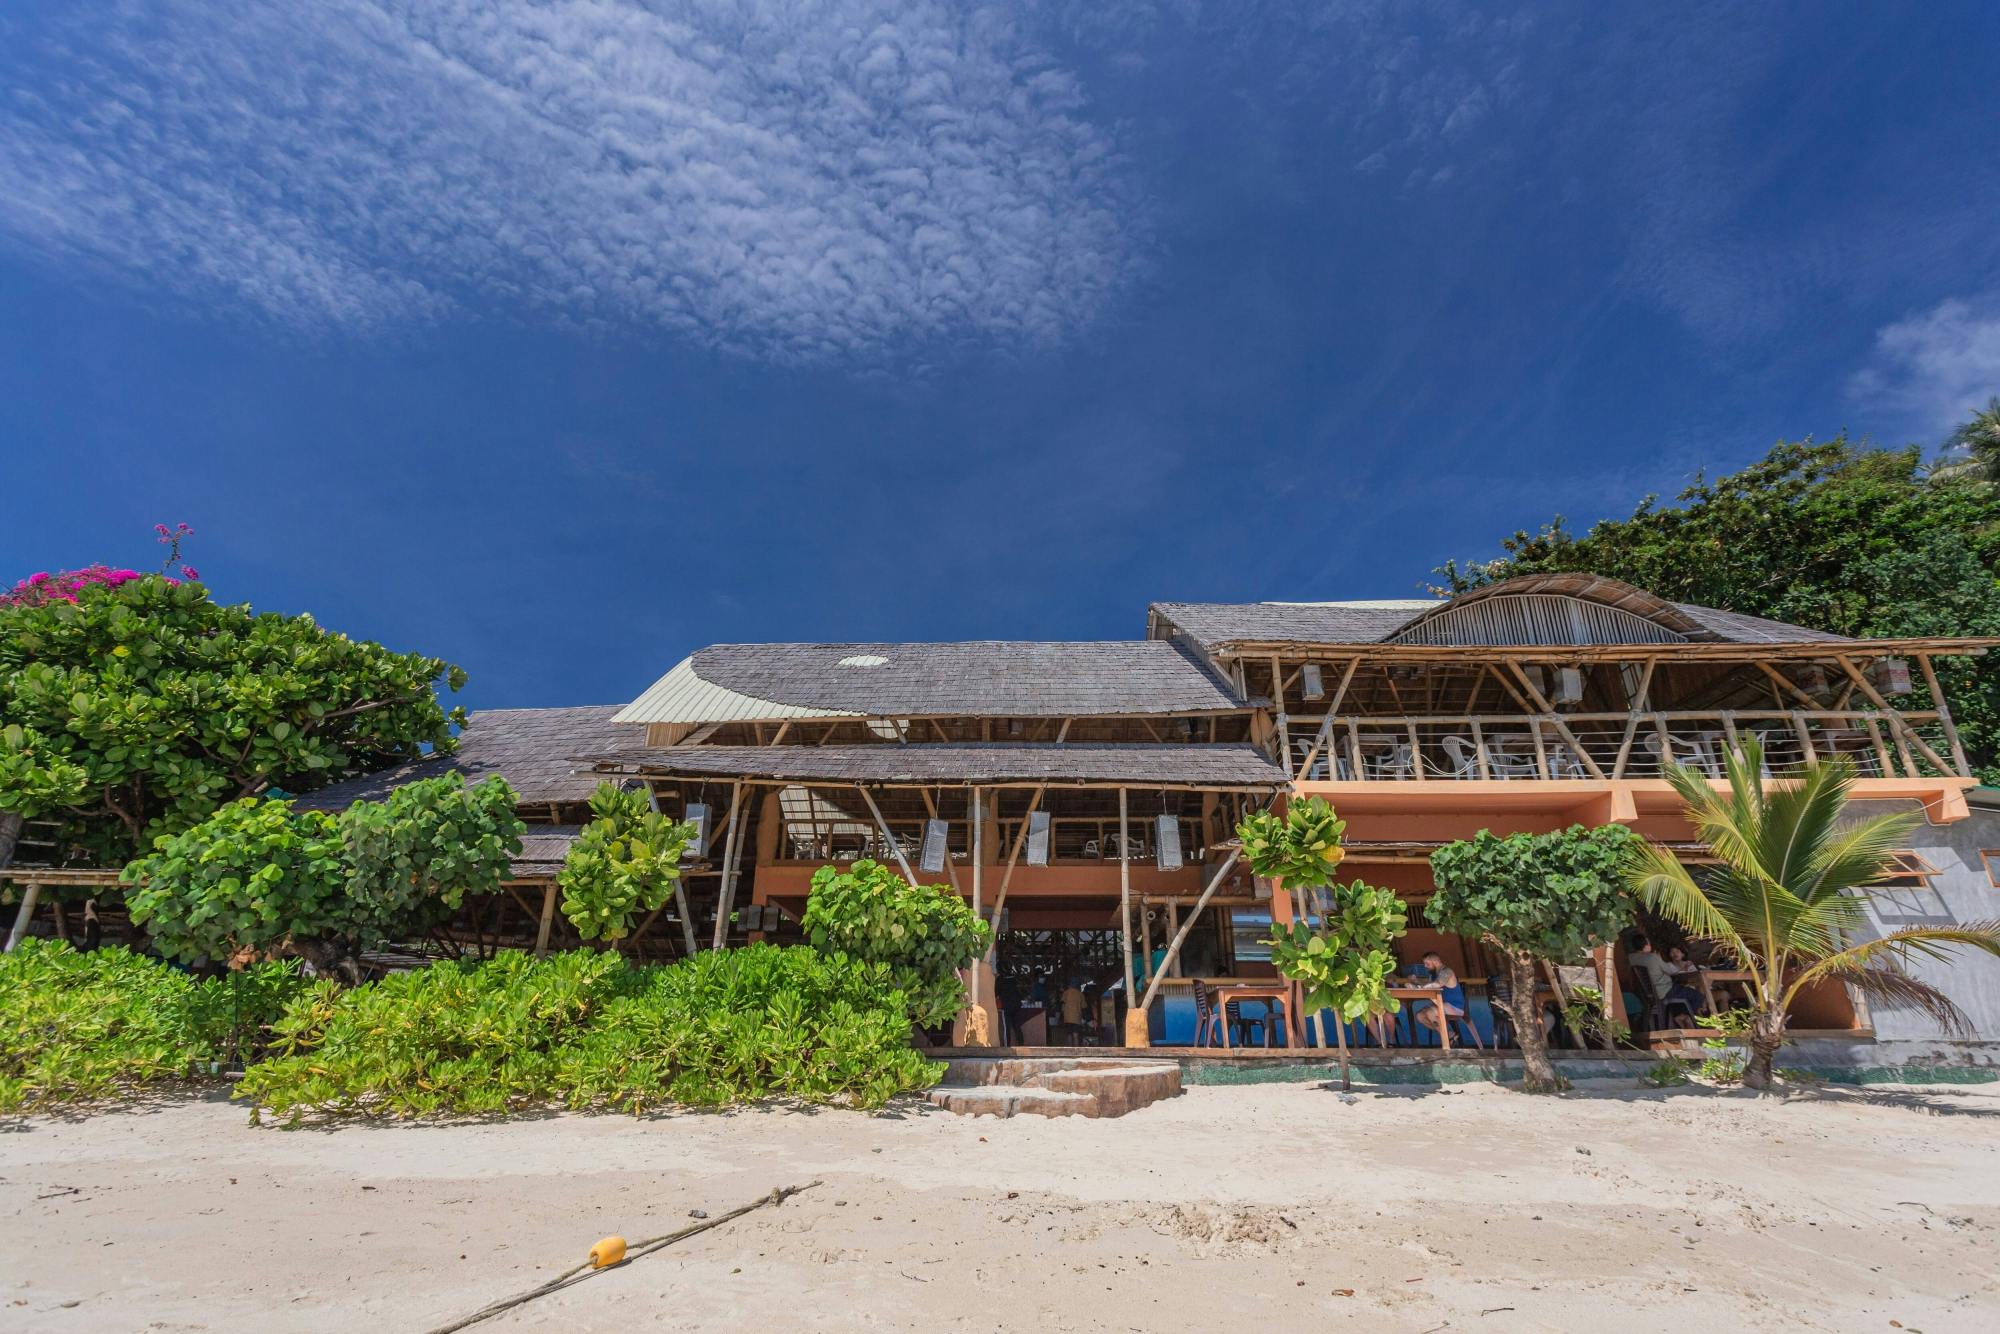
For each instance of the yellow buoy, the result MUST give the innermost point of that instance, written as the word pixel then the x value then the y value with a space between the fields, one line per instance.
pixel 607 1252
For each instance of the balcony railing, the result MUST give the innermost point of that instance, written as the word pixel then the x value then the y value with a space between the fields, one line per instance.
pixel 1613 745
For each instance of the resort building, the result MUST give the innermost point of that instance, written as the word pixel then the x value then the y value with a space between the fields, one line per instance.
pixel 1083 795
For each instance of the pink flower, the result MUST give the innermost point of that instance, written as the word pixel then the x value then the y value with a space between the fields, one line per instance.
pixel 190 572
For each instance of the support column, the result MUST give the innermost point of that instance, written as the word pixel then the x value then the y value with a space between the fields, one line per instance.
pixel 548 921
pixel 21 918
pixel 722 893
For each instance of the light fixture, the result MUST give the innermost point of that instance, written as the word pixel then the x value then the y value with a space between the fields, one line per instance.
pixel 697 847
pixel 1311 681
pixel 936 833
pixel 1167 842
pixel 1038 839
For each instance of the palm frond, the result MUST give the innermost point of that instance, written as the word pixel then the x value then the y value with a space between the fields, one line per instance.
pixel 1663 884
pixel 1720 822
pixel 1939 943
pixel 1886 982
pixel 1859 855
pixel 1800 819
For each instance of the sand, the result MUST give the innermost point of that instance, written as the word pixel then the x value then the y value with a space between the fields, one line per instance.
pixel 1275 1207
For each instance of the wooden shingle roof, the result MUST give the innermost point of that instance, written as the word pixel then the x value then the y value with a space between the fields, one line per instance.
pixel 533 749
pixel 1239 765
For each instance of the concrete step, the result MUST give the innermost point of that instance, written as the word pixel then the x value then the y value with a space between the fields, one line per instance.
pixel 1080 1086
pixel 1005 1100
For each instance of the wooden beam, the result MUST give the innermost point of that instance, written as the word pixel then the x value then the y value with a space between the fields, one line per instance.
pixel 1638 711
pixel 1944 715
pixel 1171 962
pixel 548 921
pixel 895 848
pixel 1898 724
pixel 978 860
pixel 729 853
pixel 1325 724
pixel 1549 712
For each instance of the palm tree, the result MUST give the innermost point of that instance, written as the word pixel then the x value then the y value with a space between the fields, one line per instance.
pixel 1978 436
pixel 1787 895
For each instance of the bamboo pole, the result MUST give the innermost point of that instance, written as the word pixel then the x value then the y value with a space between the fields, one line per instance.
pixel 1125 887
pixel 1326 724
pixel 730 852
pixel 1173 955
pixel 1020 841
pixel 895 848
pixel 1944 715
pixel 1639 699
pixel 548 921
pixel 1899 726
pixel 28 897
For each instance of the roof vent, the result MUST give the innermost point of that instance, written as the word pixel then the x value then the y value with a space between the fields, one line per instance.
pixel 864 660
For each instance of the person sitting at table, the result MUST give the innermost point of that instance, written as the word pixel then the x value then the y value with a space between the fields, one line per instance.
pixel 1686 988
pixel 1645 959
pixel 1450 1005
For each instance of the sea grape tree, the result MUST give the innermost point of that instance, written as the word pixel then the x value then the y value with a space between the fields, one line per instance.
pixel 412 857
pixel 1536 898
pixel 626 862
pixel 135 706
pixel 925 933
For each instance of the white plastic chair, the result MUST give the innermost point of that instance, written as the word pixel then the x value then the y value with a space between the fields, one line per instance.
pixel 1463 757
pixel 1396 761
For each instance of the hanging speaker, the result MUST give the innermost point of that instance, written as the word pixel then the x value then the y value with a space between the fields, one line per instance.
pixel 936 835
pixel 1311 682
pixel 1167 843
pixel 1038 839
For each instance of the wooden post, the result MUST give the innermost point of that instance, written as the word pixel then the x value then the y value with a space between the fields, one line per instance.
pixel 1007 877
pixel 1284 723
pixel 726 890
pixel 895 848
pixel 1125 887
pixel 28 897
pixel 680 893
pixel 1638 711
pixel 548 921
pixel 1548 711
pixel 979 1029
pixel 1944 715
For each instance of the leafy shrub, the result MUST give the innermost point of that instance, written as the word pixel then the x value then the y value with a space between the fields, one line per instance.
pixel 627 861
pixel 1299 849
pixel 924 933
pixel 249 876
pixel 1667 1072
pixel 584 1029
pixel 1725 1061
pixel 413 857
pixel 83 1027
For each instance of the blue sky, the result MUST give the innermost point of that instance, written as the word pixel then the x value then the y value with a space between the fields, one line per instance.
pixel 559 339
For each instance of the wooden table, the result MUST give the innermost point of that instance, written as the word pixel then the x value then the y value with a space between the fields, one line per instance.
pixel 1710 976
pixel 1433 994
pixel 1271 993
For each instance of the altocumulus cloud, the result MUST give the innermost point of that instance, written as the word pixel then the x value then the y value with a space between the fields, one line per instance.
pixel 806 180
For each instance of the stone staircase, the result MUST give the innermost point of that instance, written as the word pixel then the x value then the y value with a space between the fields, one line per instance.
pixel 1053 1086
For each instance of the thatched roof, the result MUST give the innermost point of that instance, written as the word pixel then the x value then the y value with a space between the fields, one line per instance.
pixel 995 679
pixel 535 750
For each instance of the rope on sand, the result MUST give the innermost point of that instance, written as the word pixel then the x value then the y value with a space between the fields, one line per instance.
pixel 576 1275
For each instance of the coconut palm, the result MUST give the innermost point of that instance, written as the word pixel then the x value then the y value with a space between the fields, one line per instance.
pixel 1788 894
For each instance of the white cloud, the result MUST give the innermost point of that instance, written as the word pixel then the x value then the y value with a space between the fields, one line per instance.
pixel 802 180
pixel 1935 368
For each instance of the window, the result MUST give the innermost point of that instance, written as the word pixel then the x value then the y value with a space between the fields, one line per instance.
pixel 1904 897
pixel 1990 859
pixel 1250 935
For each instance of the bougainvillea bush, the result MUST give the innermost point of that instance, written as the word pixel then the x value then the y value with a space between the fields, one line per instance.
pixel 133 706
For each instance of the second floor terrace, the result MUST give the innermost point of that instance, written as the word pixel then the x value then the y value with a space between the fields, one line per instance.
pixel 1566 678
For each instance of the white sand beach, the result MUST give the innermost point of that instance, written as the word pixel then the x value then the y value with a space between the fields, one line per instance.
pixel 1280 1207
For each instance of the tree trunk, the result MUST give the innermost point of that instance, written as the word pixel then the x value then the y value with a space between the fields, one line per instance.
pixel 1340 1035
pixel 10 836
pixel 1767 1035
pixel 1538 1072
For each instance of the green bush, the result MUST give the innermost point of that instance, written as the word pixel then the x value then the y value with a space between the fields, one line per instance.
pixel 78 1028
pixel 247 877
pixel 626 861
pixel 414 856
pixel 925 933
pixel 586 1030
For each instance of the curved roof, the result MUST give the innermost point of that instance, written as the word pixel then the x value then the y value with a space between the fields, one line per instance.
pixel 1621 613
pixel 732 682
